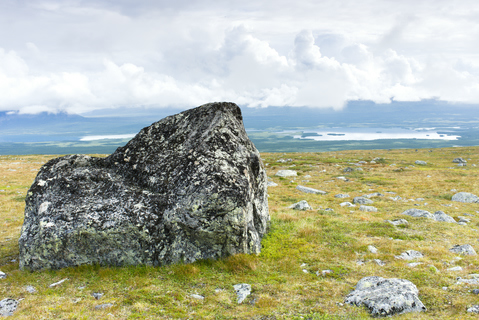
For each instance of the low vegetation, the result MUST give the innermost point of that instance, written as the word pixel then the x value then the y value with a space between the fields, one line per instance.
pixel 286 278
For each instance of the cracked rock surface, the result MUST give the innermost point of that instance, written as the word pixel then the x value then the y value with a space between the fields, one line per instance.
pixel 385 297
pixel 191 186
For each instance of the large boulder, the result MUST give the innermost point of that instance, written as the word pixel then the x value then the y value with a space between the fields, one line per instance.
pixel 191 186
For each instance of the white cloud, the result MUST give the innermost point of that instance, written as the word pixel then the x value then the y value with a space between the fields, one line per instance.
pixel 83 55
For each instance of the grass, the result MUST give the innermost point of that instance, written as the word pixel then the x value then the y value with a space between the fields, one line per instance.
pixel 313 241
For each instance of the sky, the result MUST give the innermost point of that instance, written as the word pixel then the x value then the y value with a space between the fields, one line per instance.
pixel 85 55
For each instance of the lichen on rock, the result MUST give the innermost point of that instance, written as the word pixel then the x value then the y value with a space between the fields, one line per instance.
pixel 191 186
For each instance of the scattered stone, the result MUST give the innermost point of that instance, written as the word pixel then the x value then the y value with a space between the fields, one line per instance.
pixel 372 249
pixel 272 184
pixel 459 160
pixel 30 289
pixel 473 309
pixel 97 295
pixel 386 297
pixel 455 269
pixel 418 213
pixel 197 296
pixel 3 275
pixel 302 205
pixel 242 291
pixel 475 291
pixel 368 208
pixel 462 165
pixel 473 280
pixel 103 306
pixel 379 262
pixel 284 160
pixel 348 169
pixel 398 222
pixel 441 216
pixel 310 190
pixel 420 162
pixel 375 194
pixel 343 178
pixel 413 264
pixel 286 173
pixel 465 197
pixel 191 186
pixel 362 200
pixel 465 249
pixel 58 283
pixel 8 307
pixel 341 195
pixel 359 262
pixel 396 198
pixel 347 204
pixel 410 255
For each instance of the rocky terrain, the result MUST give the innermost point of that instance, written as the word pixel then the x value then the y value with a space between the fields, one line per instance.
pixel 354 234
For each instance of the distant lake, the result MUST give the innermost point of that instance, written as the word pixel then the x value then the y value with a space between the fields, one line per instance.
pixel 369 134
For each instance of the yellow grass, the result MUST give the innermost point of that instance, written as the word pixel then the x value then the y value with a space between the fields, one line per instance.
pixel 312 240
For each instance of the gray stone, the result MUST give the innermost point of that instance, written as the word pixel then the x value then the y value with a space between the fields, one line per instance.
pixel 459 160
pixel 8 307
pixel 30 289
pixel 455 268
pixel 372 249
pixel 386 297
pixel 396 198
pixel 191 186
pixel 242 290
pixel 375 194
pixel 58 283
pixel 348 169
pixel 410 255
pixel 3 275
pixel 97 295
pixel 473 309
pixel 341 195
pixel 362 200
pixel 420 162
pixel 379 262
pixel 475 291
pixel 441 216
pixel 368 208
pixel 104 306
pixel 347 204
pixel 302 205
pixel 465 197
pixel 286 173
pixel 310 190
pixel 398 222
pixel 414 264
pixel 197 296
pixel 465 249
pixel 272 184
pixel 418 213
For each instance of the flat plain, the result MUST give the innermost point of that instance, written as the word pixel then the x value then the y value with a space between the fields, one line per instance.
pixel 287 278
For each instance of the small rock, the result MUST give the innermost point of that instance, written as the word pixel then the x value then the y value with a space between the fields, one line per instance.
pixel 97 295
pixel 420 162
pixel 58 283
pixel 465 249
pixel 3 275
pixel 286 173
pixel 385 297
pixel 473 309
pixel 375 194
pixel 343 178
pixel 459 160
pixel 368 208
pixel 8 307
pixel 398 222
pixel 372 249
pixel 441 216
pixel 324 272
pixel 272 184
pixel 242 291
pixel 362 200
pixel 475 291
pixel 347 204
pixel 465 197
pixel 455 268
pixel 413 264
pixel 379 262
pixel 445 288
pixel 396 198
pixel 30 289
pixel 103 306
pixel 310 190
pixel 302 205
pixel 348 169
pixel 197 296
pixel 341 195
pixel 410 255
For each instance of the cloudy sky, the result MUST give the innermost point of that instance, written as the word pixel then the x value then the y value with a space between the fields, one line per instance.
pixel 82 55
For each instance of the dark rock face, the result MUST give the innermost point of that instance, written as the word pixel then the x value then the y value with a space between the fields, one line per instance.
pixel 191 186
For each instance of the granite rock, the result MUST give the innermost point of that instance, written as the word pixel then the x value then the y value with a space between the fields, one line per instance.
pixel 191 186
